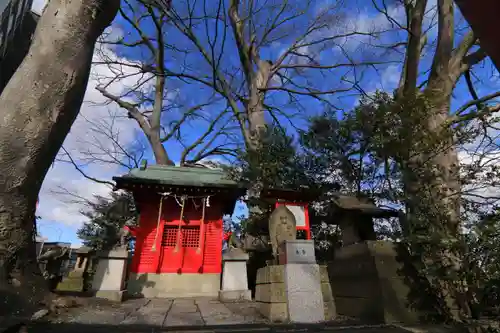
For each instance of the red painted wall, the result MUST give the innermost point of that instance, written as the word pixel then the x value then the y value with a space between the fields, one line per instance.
pixel 197 252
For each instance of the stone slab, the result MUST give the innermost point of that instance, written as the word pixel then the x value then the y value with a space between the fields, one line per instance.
pixel 271 274
pixel 271 293
pixel 235 295
pixel 146 319
pixel 302 277
pixel 111 295
pixel 97 316
pixel 306 307
pixel 234 276
pixel 154 312
pixel 183 306
pixel 250 310
pixel 304 296
pixel 275 312
pixel 218 314
pixel 110 274
pixel 184 319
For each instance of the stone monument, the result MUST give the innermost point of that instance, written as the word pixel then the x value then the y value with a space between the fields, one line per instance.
pixel 291 289
pixel 234 276
pixel 370 278
pixel 109 277
pixel 282 226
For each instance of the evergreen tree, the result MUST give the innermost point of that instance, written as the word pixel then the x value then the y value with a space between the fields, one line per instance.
pixel 107 217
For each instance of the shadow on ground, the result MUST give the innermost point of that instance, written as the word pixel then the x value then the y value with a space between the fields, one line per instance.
pixel 323 327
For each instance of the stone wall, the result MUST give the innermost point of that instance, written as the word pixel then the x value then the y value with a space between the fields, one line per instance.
pixel 271 295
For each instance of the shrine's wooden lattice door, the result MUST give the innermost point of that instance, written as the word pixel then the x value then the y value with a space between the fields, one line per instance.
pixel 181 249
pixel 178 250
pixel 192 248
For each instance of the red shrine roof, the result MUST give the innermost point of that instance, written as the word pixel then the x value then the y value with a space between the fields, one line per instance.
pixel 166 176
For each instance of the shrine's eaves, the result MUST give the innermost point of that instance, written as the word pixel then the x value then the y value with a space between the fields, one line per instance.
pixel 177 176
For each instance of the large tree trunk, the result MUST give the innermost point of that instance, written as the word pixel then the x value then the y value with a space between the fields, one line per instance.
pixel 159 151
pixel 37 108
pixel 431 172
pixel 432 188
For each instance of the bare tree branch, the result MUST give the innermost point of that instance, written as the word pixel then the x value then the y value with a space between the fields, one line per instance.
pixel 78 168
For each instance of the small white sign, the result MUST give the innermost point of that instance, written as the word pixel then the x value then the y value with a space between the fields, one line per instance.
pixel 299 213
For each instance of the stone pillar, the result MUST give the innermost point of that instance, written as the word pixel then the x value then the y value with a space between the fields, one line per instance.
pixel 109 277
pixel 294 290
pixel 234 276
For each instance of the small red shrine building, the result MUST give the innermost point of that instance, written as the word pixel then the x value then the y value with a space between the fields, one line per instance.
pixel 178 245
pixel 297 201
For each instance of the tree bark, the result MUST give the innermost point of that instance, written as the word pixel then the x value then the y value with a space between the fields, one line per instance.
pixel 38 107
pixel 159 152
pixel 431 176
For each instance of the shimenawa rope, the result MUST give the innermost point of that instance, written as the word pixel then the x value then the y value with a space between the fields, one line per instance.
pixel 181 219
pixel 162 195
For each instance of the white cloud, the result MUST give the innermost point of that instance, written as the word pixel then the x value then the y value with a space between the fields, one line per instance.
pixel 82 140
pixel 391 76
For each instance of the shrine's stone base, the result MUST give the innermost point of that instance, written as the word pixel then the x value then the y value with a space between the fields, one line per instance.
pixel 234 276
pixel 235 295
pixel 368 283
pixel 172 285
pixel 272 297
pixel 109 277
pixel 111 295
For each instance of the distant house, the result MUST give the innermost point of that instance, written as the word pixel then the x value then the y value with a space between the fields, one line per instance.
pixel 17 26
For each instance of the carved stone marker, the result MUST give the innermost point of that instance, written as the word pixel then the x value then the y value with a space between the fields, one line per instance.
pixel 109 277
pixel 234 276
pixel 282 226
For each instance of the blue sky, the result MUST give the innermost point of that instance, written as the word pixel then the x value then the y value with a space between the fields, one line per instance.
pixel 60 213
